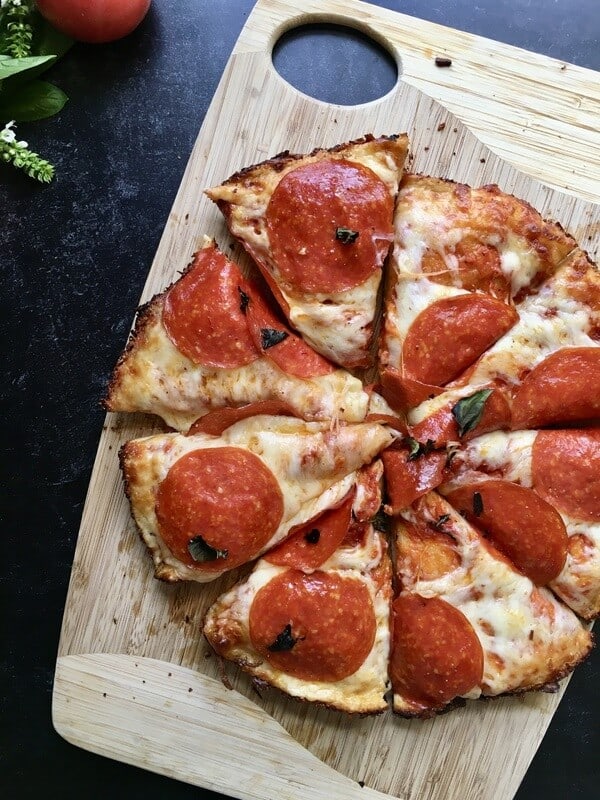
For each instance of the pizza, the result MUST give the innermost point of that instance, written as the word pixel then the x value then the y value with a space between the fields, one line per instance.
pixel 313 617
pixel 536 495
pixel 211 341
pixel 467 622
pixel 207 503
pixel 319 228
pixel 405 508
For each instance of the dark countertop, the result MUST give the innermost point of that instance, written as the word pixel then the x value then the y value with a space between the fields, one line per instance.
pixel 74 257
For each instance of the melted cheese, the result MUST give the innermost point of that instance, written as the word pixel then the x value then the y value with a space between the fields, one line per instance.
pixel 314 466
pixel 155 377
pixel 227 628
pixel 528 638
pixel 340 328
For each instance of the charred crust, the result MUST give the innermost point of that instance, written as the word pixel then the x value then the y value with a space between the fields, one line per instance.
pixel 248 666
pixel 534 233
pixel 281 160
pixel 550 685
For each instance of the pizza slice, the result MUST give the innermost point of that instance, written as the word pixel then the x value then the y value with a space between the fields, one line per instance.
pixel 463 258
pixel 205 503
pixel 536 496
pixel 544 371
pixel 211 341
pixel 312 619
pixel 466 623
pixel 319 227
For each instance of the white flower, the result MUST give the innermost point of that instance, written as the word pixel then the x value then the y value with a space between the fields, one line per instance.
pixel 5 3
pixel 7 134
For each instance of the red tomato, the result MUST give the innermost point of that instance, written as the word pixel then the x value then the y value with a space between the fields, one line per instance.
pixel 94 20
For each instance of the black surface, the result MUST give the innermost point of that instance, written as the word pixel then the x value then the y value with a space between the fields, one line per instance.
pixel 74 257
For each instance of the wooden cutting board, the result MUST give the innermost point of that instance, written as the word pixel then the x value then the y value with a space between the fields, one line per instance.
pixel 134 679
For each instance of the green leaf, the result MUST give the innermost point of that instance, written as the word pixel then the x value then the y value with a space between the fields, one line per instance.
pixel 35 100
pixel 11 66
pixel 49 41
pixel 467 412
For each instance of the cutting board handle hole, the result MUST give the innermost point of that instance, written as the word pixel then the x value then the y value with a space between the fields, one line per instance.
pixel 335 63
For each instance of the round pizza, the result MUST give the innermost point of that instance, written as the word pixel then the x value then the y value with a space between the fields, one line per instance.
pixel 391 425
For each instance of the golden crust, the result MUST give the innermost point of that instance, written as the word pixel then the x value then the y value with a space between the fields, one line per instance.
pixel 489 212
pixel 226 628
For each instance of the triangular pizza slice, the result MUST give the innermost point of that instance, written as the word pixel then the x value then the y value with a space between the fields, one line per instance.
pixel 464 263
pixel 312 619
pixel 544 371
pixel 211 341
pixel 319 227
pixel 466 623
pixel 205 503
pixel 536 495
pixel 462 258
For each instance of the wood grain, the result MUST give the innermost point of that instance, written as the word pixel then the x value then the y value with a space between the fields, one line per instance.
pixel 123 631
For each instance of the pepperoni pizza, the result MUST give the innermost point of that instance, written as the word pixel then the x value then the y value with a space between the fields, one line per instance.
pixel 313 617
pixel 211 341
pixel 475 453
pixel 319 228
pixel 207 503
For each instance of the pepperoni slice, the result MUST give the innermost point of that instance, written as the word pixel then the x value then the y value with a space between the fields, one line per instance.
pixel 317 627
pixel 311 544
pixel 441 427
pixel 479 268
pixel 407 479
pixel 285 348
pixel 523 526
pixel 217 421
pixel 218 507
pixel 450 334
pixel 436 655
pixel 203 313
pixel 403 393
pixel 563 388
pixel 330 225
pixel 566 471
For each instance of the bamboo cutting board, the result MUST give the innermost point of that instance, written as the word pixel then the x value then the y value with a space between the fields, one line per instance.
pixel 134 679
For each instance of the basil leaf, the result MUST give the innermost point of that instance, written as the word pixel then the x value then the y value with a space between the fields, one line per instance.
pixel 201 551
pixel 414 448
pixel 49 41
pixel 35 100
pixel 313 536
pixel 244 300
pixel 11 66
pixel 467 412
pixel 418 449
pixel 269 337
pixel 346 235
pixel 284 641
pixel 381 521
